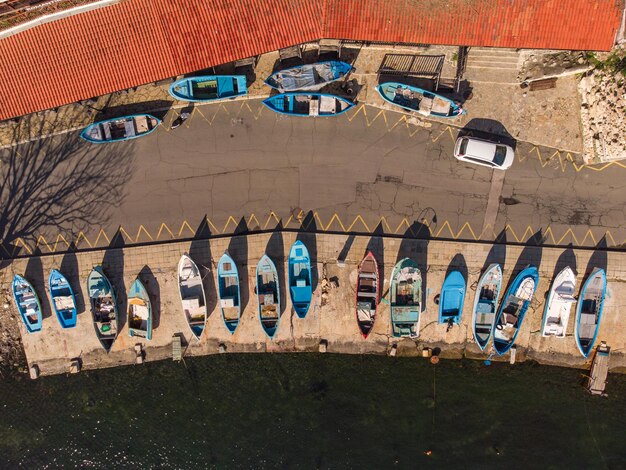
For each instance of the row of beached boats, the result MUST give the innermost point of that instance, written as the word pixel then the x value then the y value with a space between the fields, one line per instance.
pixel 298 97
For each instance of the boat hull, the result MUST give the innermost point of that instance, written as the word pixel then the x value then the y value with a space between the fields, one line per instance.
pixel 559 304
pixel 192 295
pixel 419 100
pixel 268 295
pixel 27 303
pixel 209 88
pixel 308 77
pixel 120 129
pixel 63 300
pixel 229 292
pixel 589 311
pixel 300 287
pixel 367 294
pixel 486 305
pixel 405 299
pixel 103 306
pixel 452 298
pixel 308 104
pixel 139 311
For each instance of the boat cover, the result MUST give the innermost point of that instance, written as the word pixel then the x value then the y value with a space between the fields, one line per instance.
pixel 301 294
pixel 302 78
pixel 64 303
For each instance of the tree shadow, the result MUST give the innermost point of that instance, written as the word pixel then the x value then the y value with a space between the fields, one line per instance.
pixel 154 294
pixel 59 184
pixel 377 247
pixel 238 250
pixel 414 245
pixel 113 267
pixel 69 268
pixel 35 275
pixel 307 235
pixel 488 129
pixel 276 251
pixel 599 258
pixel 200 253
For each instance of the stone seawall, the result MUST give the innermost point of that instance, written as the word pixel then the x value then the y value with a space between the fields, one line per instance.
pixel 331 316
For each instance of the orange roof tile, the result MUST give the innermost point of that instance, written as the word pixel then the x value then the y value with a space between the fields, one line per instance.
pixel 140 41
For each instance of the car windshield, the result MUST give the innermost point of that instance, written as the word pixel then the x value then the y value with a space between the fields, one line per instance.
pixel 463 146
pixel 498 159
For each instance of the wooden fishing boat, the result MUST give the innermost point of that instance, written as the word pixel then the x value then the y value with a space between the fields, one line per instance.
pixel 589 311
pixel 300 288
pixel 308 104
pixel 63 300
pixel 268 294
pixel 103 307
pixel 416 99
pixel 209 88
pixel 139 311
pixel 367 294
pixel 452 298
pixel 192 295
pixel 27 304
pixel 406 299
pixel 122 128
pixel 486 304
pixel 513 308
pixel 559 304
pixel 229 291
pixel 308 77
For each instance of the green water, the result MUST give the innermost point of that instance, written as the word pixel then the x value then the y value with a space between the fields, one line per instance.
pixel 312 411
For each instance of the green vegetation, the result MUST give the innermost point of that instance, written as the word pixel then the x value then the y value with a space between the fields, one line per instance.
pixel 615 63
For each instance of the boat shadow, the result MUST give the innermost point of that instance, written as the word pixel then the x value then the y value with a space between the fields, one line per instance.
pixel 458 264
pixel 488 129
pixel 200 253
pixel 276 251
pixel 69 268
pixel 151 284
pixel 156 108
pixel 598 259
pixel 34 274
pixel 414 245
pixel 238 250
pixel 377 247
pixel 113 267
pixel 307 235
pixel 531 254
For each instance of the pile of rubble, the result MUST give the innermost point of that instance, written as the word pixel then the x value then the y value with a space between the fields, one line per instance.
pixel 12 357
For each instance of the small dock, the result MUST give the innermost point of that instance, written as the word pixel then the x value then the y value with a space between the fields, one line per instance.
pixel 599 370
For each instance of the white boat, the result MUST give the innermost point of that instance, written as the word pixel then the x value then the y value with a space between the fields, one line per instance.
pixel 192 295
pixel 559 304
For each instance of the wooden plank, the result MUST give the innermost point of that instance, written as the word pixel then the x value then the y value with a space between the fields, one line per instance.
pixel 544 84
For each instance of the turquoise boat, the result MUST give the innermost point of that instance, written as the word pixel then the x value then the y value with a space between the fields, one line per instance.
pixel 209 88
pixel 139 311
pixel 300 288
pixel 405 299
pixel 589 311
pixel 452 298
pixel 308 77
pixel 103 307
pixel 486 305
pixel 308 104
pixel 63 300
pixel 419 100
pixel 268 294
pixel 27 304
pixel 229 291
pixel 119 129
pixel 513 309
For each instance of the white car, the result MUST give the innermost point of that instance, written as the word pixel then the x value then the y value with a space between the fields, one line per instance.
pixel 483 152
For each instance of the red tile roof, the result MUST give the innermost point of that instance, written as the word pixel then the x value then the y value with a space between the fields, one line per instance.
pixel 140 41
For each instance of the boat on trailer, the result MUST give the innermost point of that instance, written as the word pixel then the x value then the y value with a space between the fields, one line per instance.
pixel 452 298
pixel 300 288
pixel 268 294
pixel 308 104
pixel 589 311
pixel 63 300
pixel 139 311
pixel 27 303
pixel 192 295
pixel 559 304
pixel 513 309
pixel 308 77
pixel 486 304
pixel 209 88
pixel 103 307
pixel 367 294
pixel 419 100
pixel 229 291
pixel 406 299
pixel 119 129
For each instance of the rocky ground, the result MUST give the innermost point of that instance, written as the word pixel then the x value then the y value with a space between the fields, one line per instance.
pixel 12 357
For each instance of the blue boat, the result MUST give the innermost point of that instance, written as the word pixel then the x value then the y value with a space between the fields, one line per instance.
pixel 139 311
pixel 119 129
pixel 268 294
pixel 103 307
pixel 209 88
pixel 416 99
pixel 229 291
pixel 63 300
pixel 513 308
pixel 452 298
pixel 589 311
pixel 486 304
pixel 308 104
pixel 300 288
pixel 406 299
pixel 27 304
pixel 308 77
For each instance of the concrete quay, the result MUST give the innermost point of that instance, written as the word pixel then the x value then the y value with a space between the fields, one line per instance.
pixel 331 316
